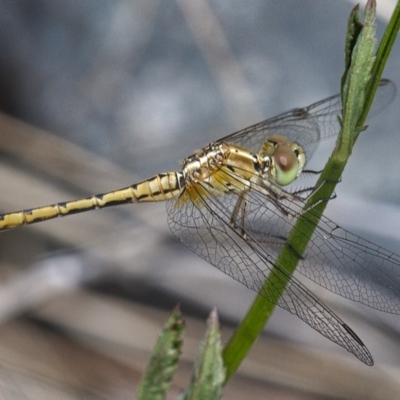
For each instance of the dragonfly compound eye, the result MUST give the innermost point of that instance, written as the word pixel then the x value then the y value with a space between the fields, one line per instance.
pixel 286 163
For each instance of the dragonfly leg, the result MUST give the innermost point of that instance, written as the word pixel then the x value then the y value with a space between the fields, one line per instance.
pixel 251 235
pixel 275 197
pixel 311 190
pixel 286 213
pixel 299 193
pixel 319 201
pixel 317 187
pixel 276 194
pixel 311 172
pixel 240 207
pixel 238 221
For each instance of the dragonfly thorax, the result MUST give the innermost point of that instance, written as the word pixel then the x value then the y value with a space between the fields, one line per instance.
pixel 201 165
pixel 287 159
pixel 280 161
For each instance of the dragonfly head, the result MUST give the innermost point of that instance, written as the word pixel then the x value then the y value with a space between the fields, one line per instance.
pixel 287 159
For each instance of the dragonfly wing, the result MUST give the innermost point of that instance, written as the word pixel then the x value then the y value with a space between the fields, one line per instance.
pixel 308 125
pixel 335 259
pixel 353 267
pixel 202 222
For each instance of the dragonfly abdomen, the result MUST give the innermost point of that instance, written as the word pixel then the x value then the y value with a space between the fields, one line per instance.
pixel 161 187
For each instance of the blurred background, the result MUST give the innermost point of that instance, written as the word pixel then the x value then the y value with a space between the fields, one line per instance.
pixel 96 95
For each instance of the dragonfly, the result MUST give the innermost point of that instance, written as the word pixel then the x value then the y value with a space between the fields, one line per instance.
pixel 233 205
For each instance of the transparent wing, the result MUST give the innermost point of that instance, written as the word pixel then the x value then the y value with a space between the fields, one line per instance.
pixel 308 125
pixel 335 259
pixel 202 223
